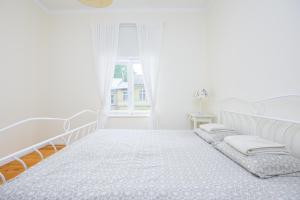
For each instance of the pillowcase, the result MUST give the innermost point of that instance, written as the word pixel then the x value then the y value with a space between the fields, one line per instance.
pixel 253 144
pixel 213 138
pixel 213 127
pixel 263 165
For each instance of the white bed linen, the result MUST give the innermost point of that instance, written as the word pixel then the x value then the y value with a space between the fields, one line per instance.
pixel 144 165
pixel 213 138
pixel 215 128
pixel 252 144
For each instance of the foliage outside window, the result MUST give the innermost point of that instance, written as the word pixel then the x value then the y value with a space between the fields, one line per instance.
pixel 128 88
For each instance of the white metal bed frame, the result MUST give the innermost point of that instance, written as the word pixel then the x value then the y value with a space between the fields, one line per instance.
pixel 232 118
pixel 256 121
pixel 69 136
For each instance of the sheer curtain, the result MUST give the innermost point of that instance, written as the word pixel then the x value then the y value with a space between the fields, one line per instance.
pixel 149 39
pixel 105 42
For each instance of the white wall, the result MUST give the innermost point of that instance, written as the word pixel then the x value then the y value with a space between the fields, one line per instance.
pixel 23 43
pixel 22 56
pixel 254 48
pixel 183 65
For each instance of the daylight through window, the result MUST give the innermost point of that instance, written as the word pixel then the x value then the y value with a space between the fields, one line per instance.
pixel 128 89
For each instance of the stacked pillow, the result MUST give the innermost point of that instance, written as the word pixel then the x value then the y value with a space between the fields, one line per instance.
pixel 260 157
pixel 215 128
pixel 253 145
pixel 214 133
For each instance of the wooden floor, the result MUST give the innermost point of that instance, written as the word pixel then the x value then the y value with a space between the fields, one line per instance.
pixel 14 168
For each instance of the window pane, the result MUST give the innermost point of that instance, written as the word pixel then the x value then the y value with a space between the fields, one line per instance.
pixel 119 89
pixel 140 97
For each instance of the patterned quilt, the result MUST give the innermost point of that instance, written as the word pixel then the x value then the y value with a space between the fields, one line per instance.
pixel 144 165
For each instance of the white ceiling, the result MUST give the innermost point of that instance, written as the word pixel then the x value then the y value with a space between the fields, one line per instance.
pixel 123 5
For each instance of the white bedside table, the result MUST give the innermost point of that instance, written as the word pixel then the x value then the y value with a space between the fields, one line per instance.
pixel 197 118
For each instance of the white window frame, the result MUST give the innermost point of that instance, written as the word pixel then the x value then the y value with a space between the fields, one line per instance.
pixel 111 99
pixel 130 112
pixel 125 94
pixel 143 95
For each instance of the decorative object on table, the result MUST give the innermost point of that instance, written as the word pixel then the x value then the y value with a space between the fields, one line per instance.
pixel 96 3
pixel 200 95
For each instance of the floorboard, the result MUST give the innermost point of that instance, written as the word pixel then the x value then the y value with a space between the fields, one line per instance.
pixel 14 168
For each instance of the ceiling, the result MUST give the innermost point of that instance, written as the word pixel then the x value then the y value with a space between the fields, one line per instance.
pixel 123 5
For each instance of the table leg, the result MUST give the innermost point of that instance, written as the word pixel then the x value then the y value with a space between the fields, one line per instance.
pixel 195 124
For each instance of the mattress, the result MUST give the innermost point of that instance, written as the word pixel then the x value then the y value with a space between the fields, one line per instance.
pixel 144 165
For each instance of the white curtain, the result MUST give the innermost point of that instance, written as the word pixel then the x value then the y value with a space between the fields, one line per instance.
pixel 150 39
pixel 105 42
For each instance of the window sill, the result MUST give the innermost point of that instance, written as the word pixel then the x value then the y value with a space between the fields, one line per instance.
pixel 128 114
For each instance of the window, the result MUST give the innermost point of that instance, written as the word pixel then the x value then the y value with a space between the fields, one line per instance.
pixel 140 98
pixel 128 90
pixel 119 88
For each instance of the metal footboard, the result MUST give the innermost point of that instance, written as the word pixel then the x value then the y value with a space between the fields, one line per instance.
pixel 67 137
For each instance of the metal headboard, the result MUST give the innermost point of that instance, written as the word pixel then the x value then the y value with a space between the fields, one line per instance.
pixel 263 118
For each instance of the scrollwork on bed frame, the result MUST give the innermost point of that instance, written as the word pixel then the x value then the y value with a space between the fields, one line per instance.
pixel 68 137
pixel 257 120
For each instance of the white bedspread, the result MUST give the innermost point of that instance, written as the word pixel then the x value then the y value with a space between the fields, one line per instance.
pixel 252 144
pixel 144 165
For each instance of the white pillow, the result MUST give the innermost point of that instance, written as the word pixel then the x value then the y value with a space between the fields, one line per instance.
pixel 215 128
pixel 252 144
pixel 213 138
pixel 263 165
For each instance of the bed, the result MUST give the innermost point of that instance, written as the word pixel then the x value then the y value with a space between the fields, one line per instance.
pixel 133 164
